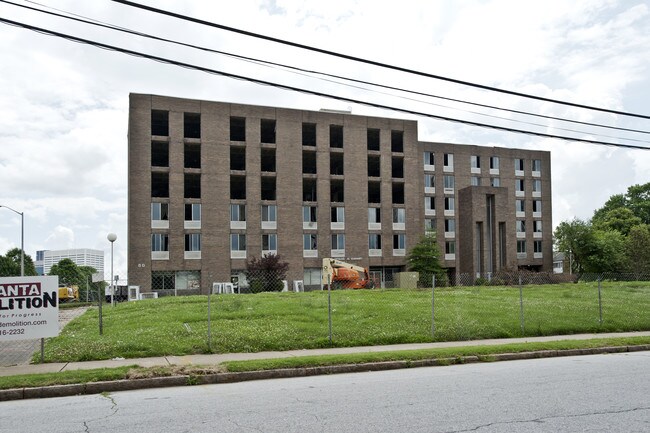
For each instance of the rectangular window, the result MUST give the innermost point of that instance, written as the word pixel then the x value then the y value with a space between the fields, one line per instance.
pixel 398 193
pixel 192 211
pixel 160 123
pixel 270 242
pixel 397 141
pixel 449 182
pixel 192 125
pixel 373 139
pixel 192 185
pixel 337 190
pixel 338 241
pixel 237 158
pixel 193 242
pixel 338 214
pixel 397 167
pixel 237 187
pixel 495 181
pixel 450 225
pixel 192 155
pixel 429 181
pixel 374 241
pixel 429 224
pixel 309 134
pixel 237 129
pixel 537 246
pixel 450 203
pixel 267 160
pixel 237 212
pixel 159 184
pixel 520 206
pixel 450 247
pixel 537 226
pixel 310 242
pixel 308 162
pixel 537 165
pixel 521 226
pixel 309 214
pixel 374 192
pixel 448 162
pixel 336 136
pixel 475 161
pixel 269 213
pixel 159 154
pixel 374 215
pixel 336 164
pixel 309 190
pixel 399 241
pixel 374 166
pixel 429 203
pixel 268 188
pixel 494 163
pixel 399 215
pixel 160 211
pixel 267 130
pixel 519 187
pixel 521 247
pixel 537 206
pixel 475 181
pixel 537 186
pixel 159 242
pixel 429 160
pixel 519 165
pixel 237 242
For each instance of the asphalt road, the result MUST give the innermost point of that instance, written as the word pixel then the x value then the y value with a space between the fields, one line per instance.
pixel 606 393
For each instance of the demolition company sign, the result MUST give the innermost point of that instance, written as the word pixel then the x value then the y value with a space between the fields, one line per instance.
pixel 29 308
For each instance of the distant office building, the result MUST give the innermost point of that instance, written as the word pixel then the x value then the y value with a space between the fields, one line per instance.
pixel 81 257
pixel 38 263
pixel 214 184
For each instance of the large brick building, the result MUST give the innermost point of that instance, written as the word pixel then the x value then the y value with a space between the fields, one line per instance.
pixel 214 184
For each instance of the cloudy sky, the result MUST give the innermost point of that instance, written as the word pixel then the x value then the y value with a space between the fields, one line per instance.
pixel 64 105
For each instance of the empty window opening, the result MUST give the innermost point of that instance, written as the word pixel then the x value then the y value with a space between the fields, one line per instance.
pixel 309 214
pixel 336 163
pixel 397 167
pixel 374 166
pixel 373 139
pixel 192 156
pixel 192 185
pixel 159 184
pixel 429 158
pixel 160 122
pixel 309 190
pixel 374 215
pixel 336 191
pixel 268 188
pixel 237 158
pixel 268 160
pixel 160 211
pixel 309 134
pixel 237 129
pixel 267 130
pixel 338 214
pixel 192 125
pixel 398 193
pixel 397 141
pixel 374 192
pixel 159 154
pixel 237 187
pixel 336 136
pixel 308 162
pixel 192 211
pixel 193 242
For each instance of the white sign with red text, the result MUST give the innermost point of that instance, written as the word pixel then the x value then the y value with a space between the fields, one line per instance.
pixel 29 307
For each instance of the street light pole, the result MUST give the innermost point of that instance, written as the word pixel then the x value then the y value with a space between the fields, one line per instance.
pixel 112 237
pixel 22 239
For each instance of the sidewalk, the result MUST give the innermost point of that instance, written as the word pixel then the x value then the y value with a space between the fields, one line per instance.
pixel 215 359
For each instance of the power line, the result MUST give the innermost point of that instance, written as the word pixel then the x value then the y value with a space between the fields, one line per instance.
pixel 307 71
pixel 307 91
pixel 372 62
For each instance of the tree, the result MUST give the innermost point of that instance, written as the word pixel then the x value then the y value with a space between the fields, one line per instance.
pixel 637 249
pixel 10 264
pixel 424 258
pixel 608 254
pixel 69 273
pixel 621 219
pixel 617 201
pixel 266 273
pixel 638 199
pixel 576 239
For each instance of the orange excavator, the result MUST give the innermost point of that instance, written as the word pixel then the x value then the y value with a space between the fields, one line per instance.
pixel 342 275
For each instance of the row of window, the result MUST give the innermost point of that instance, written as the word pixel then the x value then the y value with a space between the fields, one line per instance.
pixel 475 164
pixel 268 131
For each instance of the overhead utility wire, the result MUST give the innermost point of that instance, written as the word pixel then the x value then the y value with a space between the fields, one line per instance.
pixel 372 62
pixel 266 62
pixel 306 91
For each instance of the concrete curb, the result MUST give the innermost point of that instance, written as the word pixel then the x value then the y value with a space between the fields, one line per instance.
pixel 185 380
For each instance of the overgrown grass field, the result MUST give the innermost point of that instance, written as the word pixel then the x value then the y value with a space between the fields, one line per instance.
pixel 283 321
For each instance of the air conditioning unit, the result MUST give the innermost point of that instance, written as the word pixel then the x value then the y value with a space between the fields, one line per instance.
pixel 134 293
pixel 149 295
pixel 298 286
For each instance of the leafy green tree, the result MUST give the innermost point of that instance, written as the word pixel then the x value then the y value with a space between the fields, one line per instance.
pixel 576 238
pixel 10 264
pixel 617 201
pixel 265 274
pixel 608 254
pixel 637 249
pixel 621 219
pixel 638 199
pixel 69 273
pixel 424 258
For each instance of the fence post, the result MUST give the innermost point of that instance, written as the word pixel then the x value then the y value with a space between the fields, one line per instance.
pixel 209 315
pixel 433 306
pixel 329 306
pixel 101 319
pixel 521 307
pixel 600 302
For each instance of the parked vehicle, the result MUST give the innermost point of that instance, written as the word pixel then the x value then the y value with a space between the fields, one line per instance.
pixel 68 294
pixel 344 275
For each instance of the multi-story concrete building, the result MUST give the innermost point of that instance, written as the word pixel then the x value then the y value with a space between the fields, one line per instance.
pixel 214 184
pixel 80 256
